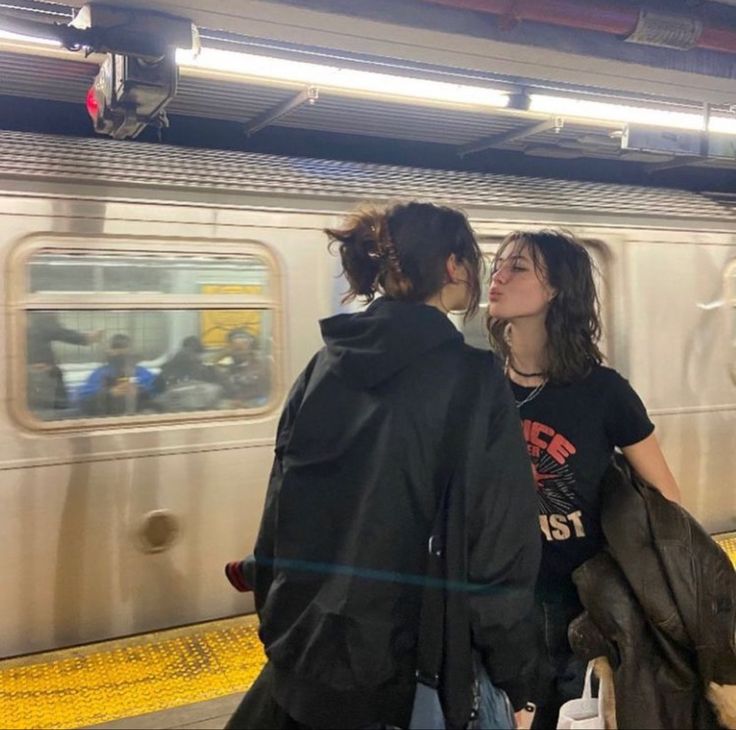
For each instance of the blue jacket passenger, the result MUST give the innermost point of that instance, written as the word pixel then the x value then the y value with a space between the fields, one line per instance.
pixel 120 387
pixel 102 376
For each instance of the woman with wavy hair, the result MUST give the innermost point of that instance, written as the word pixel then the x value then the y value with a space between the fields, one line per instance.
pixel 544 323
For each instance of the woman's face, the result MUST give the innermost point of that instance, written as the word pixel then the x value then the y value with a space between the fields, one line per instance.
pixel 517 288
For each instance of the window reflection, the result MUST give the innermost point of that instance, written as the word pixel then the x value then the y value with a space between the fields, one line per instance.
pixel 147 362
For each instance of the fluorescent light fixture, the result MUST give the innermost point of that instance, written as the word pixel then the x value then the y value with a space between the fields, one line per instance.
pixel 606 112
pixel 7 35
pixel 723 125
pixel 614 112
pixel 339 79
pixel 406 88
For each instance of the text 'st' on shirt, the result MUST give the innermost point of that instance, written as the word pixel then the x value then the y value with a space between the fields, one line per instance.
pixel 571 431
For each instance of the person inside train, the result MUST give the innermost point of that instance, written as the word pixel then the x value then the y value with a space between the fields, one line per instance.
pixel 187 364
pixel 396 426
pixel 46 387
pixel 121 386
pixel 544 323
pixel 186 382
pixel 246 374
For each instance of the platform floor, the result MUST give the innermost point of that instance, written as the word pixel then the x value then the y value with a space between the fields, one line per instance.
pixel 727 541
pixel 211 715
pixel 125 678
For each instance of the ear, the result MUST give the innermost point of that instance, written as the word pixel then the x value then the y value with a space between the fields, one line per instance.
pixel 453 268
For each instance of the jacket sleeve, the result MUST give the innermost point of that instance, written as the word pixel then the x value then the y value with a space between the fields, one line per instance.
pixel 93 384
pixel 264 551
pixel 145 379
pixel 504 542
pixel 53 331
pixel 72 337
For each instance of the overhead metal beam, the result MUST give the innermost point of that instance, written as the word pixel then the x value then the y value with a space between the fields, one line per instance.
pixel 683 30
pixel 104 29
pixel 688 160
pixel 511 136
pixel 63 34
pixel 310 95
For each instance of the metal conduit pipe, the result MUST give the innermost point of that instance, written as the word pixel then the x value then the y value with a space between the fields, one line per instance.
pixel 598 15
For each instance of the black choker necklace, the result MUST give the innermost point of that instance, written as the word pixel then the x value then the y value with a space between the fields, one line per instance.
pixel 525 375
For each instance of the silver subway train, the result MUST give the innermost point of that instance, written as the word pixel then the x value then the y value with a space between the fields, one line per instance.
pixel 124 490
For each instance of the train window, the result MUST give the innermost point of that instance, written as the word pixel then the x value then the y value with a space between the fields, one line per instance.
pixel 120 334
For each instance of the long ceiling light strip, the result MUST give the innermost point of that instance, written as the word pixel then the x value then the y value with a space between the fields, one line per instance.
pixel 607 112
pixel 340 79
pixel 388 85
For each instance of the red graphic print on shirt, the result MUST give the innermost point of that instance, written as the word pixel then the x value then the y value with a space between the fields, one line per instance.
pixel 549 452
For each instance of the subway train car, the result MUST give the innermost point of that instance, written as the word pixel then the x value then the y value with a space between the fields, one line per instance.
pixel 125 489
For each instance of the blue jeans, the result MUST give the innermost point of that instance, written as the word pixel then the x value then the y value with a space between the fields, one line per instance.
pixel 494 708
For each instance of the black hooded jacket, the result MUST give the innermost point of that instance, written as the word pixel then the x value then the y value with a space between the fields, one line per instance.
pixel 341 552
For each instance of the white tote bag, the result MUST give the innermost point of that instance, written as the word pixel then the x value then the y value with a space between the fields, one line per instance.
pixel 585 713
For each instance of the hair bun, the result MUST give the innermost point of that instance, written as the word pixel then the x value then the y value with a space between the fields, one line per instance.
pixel 402 251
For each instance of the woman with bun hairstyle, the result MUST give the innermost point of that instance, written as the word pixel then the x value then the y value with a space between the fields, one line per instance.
pixel 362 452
pixel 544 323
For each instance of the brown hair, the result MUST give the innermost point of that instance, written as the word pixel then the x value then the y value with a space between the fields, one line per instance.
pixel 401 252
pixel 573 318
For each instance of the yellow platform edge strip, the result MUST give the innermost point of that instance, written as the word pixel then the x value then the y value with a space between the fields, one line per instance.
pixel 102 682
pixel 99 683
pixel 727 541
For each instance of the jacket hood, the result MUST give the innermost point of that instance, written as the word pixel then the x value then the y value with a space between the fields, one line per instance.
pixel 369 347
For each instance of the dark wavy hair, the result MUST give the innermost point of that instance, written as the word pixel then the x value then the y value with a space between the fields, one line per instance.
pixel 573 318
pixel 401 252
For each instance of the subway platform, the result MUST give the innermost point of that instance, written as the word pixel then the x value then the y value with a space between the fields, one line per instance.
pixel 191 677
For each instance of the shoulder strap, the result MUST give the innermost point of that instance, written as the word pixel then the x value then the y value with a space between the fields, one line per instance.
pixel 431 621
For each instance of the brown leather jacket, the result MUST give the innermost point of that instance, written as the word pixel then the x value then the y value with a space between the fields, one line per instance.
pixel 660 605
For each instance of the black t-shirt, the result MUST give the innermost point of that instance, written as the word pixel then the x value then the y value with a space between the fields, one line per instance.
pixel 571 432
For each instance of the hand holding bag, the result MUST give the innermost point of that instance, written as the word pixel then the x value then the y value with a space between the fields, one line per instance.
pixel 585 713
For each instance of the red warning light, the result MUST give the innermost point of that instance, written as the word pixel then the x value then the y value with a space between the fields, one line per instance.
pixel 93 106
